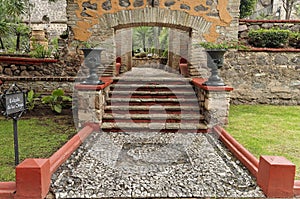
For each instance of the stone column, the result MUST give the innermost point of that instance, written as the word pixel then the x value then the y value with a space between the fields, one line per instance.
pixel 214 102
pixel 91 100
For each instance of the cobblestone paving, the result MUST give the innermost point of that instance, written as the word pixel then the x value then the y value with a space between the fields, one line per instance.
pixel 153 165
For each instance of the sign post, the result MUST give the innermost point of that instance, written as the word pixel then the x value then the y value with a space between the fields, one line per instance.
pixel 14 102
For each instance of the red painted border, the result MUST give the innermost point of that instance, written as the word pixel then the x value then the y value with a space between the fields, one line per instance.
pixel 107 81
pixel 7 190
pixel 268 21
pixel 60 156
pixel 254 49
pixel 199 81
pixel 26 60
pixel 297 188
pixel 249 160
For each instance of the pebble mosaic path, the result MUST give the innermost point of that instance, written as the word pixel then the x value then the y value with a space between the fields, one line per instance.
pixel 153 165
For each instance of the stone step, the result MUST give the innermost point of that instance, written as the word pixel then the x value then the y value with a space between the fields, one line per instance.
pixel 151 101
pixel 153 109
pixel 152 127
pixel 147 118
pixel 153 80
pixel 151 94
pixel 151 87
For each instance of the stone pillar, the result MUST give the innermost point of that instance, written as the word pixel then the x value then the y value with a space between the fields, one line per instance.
pixel 214 102
pixel 276 176
pixel 91 100
pixel 123 38
pixel 33 179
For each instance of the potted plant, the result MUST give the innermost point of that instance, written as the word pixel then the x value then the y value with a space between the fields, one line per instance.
pixel 92 60
pixel 215 59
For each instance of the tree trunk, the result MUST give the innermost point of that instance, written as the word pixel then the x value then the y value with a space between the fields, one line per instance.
pixel 18 42
pixel 1 42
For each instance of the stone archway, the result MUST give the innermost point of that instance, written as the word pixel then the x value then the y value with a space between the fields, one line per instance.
pixel 99 20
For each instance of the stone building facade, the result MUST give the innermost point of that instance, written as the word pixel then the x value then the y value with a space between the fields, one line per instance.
pixel 48 16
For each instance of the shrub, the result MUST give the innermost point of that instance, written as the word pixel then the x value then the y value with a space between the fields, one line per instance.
pixel 223 45
pixel 32 98
pixel 294 39
pixel 270 38
pixel 56 100
pixel 39 51
pixel 247 7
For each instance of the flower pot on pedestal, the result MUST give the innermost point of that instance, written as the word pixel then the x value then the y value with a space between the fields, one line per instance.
pixel 92 59
pixel 215 61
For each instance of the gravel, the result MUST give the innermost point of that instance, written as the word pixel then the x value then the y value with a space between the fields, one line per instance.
pixel 153 165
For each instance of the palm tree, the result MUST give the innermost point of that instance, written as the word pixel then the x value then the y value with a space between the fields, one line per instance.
pixel 11 10
pixel 140 34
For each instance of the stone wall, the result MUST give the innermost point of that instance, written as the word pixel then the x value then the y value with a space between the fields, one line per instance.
pixel 38 70
pixel 263 77
pixel 49 16
pixel 246 25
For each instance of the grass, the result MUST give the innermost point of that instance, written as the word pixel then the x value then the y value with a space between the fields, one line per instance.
pixel 38 138
pixel 267 130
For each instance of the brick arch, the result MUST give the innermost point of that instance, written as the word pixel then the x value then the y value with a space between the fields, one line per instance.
pixel 154 17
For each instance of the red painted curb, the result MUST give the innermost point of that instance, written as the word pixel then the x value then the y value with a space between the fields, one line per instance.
pixel 199 81
pixel 238 150
pixel 107 81
pixel 268 21
pixel 297 188
pixel 7 190
pixel 26 60
pixel 60 156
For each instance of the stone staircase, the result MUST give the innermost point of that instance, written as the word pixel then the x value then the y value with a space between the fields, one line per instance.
pixel 152 100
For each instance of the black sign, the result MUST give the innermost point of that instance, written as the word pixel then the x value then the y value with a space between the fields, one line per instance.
pixel 13 100
pixel 14 103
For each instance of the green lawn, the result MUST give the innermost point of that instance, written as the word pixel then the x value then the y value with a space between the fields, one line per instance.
pixel 267 130
pixel 38 138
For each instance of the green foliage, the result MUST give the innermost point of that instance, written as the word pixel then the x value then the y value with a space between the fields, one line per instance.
pixel 270 38
pixel 223 45
pixel 32 98
pixel 246 8
pixel 154 40
pixel 55 48
pixel 56 100
pixel 85 44
pixel 39 51
pixel 294 39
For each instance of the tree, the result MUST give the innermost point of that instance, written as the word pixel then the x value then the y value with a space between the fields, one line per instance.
pixel 10 21
pixel 141 34
pixel 247 7
pixel 288 7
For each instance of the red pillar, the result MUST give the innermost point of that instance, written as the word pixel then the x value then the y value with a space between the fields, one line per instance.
pixel 33 179
pixel 276 176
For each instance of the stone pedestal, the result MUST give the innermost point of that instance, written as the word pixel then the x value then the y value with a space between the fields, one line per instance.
pixel 276 176
pixel 214 102
pixel 91 101
pixel 33 179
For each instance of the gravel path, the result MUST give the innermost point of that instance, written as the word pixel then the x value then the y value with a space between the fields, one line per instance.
pixel 153 165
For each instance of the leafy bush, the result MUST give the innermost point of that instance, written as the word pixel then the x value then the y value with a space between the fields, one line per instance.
pixel 223 45
pixel 294 39
pixel 40 51
pixel 247 7
pixel 55 48
pixel 56 100
pixel 32 98
pixel 271 38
